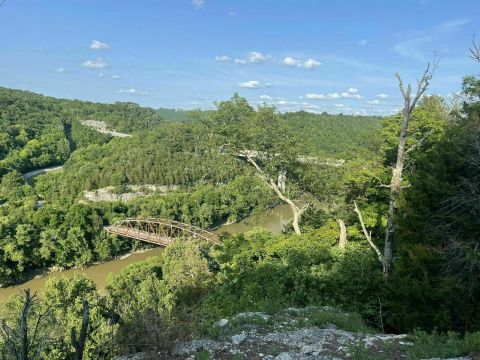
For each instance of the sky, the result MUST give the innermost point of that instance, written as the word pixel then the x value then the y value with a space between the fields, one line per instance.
pixel 313 55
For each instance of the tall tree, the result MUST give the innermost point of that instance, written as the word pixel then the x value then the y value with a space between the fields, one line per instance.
pixel 397 171
pixel 263 139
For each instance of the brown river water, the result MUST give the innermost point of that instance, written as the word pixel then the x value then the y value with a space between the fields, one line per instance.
pixel 272 220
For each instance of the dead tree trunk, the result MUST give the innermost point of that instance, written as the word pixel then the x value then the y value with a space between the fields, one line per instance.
pixel 397 171
pixel 343 235
pixel 282 180
pixel 79 343
pixel 368 235
pixel 297 210
pixel 24 343
pixel 17 340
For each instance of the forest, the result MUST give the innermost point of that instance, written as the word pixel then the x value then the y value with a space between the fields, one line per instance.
pixel 397 248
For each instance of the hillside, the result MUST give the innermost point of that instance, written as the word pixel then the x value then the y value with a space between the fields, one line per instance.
pixel 197 173
pixel 336 136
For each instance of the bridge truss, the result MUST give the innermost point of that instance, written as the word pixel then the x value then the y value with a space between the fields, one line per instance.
pixel 159 231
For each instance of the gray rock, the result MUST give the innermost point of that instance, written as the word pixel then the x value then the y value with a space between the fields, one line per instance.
pixel 187 348
pixel 237 339
pixel 283 356
pixel 222 322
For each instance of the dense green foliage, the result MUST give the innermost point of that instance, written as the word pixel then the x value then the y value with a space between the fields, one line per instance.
pixel 67 235
pixel 336 136
pixel 38 131
pixel 435 283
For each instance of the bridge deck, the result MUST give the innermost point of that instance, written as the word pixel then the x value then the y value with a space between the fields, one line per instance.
pixel 140 235
pixel 158 231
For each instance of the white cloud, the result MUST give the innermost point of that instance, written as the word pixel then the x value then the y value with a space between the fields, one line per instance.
pixel 98 45
pixel 345 95
pixel 252 84
pixel 60 70
pixel 115 77
pixel 350 94
pixel 311 63
pixel 315 96
pixel 256 57
pixel 101 74
pixel 282 102
pixel 308 64
pixel 338 106
pixel 310 106
pixel 95 64
pixel 132 91
pixel 373 102
pixel 222 58
pixel 382 96
pixel 289 61
pixel 363 42
pixel 198 3
pixel 265 97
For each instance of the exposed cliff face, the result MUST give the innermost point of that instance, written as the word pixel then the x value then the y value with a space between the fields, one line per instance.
pixel 294 334
pixel 108 194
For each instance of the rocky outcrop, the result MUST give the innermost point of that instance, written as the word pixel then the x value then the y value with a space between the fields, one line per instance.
pixel 101 127
pixel 108 194
pixel 294 334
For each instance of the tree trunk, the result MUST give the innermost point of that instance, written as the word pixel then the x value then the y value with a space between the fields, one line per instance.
pixel 343 236
pixel 296 220
pixel 397 172
pixel 395 187
pixel 282 180
pixel 24 348
pixel 297 211
pixel 79 343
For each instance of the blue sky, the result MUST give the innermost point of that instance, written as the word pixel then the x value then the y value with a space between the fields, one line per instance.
pixel 334 56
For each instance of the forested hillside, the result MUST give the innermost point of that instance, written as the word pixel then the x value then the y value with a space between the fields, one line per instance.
pixel 336 136
pixel 330 255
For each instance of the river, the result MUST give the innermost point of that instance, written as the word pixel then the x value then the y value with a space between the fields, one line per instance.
pixel 272 219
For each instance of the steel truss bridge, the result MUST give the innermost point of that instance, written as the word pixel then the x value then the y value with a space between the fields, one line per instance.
pixel 159 231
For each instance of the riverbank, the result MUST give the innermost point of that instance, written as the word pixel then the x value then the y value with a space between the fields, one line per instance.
pixel 273 220
pixel 98 272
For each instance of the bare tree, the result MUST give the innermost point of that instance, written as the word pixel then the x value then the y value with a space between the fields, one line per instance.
pixel 343 235
pixel 79 342
pixel 397 171
pixel 20 342
pixel 368 234
pixel 475 50
pixel 395 186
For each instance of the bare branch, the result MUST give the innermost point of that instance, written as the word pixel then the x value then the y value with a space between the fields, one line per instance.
pixel 475 50
pixel 304 208
pixel 367 234
pixel 424 82
pixel 419 142
pixel 400 84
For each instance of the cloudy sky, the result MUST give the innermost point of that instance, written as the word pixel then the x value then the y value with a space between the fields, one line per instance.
pixel 315 55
